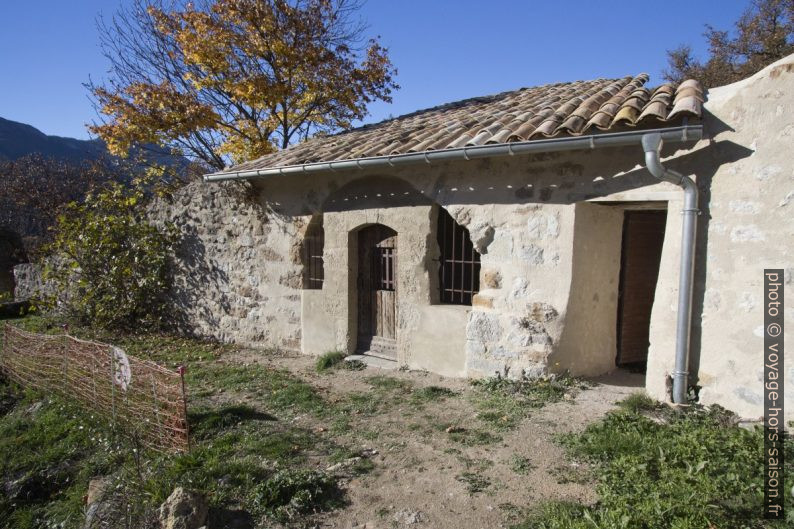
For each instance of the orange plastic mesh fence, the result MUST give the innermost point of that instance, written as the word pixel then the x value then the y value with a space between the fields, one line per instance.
pixel 145 399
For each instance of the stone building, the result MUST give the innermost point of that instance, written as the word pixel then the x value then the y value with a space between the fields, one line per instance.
pixel 516 234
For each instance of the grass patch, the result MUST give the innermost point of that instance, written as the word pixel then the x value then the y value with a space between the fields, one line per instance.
pixel 471 437
pixel 430 394
pixel 503 403
pixel 475 483
pixel 386 392
pixel 329 360
pixel 249 457
pixel 521 465
pixel 277 390
pixel 385 383
pixel 638 403
pixel 693 468
pixel 49 450
pixel 477 465
pixel 563 514
pixel 571 473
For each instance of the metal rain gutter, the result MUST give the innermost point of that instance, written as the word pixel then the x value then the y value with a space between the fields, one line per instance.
pixel 652 145
pixel 684 134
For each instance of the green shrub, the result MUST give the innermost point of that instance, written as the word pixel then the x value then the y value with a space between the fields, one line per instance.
pixel 680 469
pixel 109 263
pixel 330 360
pixel 289 493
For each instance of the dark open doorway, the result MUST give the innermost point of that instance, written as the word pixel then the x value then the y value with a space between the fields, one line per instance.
pixel 643 238
pixel 377 296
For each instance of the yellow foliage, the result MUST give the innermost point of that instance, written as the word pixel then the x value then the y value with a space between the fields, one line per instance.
pixel 250 76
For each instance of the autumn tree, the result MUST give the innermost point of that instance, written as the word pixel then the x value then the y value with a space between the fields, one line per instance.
pixel 763 34
pixel 35 188
pixel 229 80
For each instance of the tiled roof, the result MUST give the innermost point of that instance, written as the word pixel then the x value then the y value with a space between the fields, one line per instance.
pixel 562 109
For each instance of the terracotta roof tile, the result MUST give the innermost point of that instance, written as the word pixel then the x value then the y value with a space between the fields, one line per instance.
pixel 560 109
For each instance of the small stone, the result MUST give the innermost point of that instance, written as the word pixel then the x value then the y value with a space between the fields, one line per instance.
pixel 184 509
pixel 96 489
pixel 482 301
pixel 34 408
pixel 483 327
pixel 491 278
pixel 408 517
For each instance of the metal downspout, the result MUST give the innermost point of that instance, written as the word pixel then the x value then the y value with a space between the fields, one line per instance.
pixel 652 145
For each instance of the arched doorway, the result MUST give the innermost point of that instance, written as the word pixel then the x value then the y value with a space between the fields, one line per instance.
pixel 377 291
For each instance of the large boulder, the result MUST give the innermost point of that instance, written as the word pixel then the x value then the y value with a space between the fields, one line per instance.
pixel 184 509
pixel 28 281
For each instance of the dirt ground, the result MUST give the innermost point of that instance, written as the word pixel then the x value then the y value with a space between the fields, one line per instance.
pixel 421 477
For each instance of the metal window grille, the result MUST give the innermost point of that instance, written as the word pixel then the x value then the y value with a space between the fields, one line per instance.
pixel 460 262
pixel 313 269
pixel 383 264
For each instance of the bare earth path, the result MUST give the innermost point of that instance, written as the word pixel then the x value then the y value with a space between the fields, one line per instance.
pixel 425 476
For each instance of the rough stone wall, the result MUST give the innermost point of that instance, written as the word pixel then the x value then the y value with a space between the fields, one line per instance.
pixel 29 283
pixel 515 322
pixel 237 275
pixel 12 252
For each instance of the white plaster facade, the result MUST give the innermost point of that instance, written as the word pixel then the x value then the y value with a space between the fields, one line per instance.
pixel 549 231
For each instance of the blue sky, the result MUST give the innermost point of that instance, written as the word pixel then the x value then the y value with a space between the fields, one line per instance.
pixel 445 50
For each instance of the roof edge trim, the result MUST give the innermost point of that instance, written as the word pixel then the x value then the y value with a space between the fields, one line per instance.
pixel 671 135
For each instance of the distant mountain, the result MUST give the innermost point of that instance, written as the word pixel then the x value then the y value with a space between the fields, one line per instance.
pixel 19 139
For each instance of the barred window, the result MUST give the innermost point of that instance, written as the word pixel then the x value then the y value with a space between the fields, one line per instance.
pixel 460 262
pixel 313 270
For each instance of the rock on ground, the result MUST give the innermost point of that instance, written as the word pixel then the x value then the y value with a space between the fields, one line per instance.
pixel 184 509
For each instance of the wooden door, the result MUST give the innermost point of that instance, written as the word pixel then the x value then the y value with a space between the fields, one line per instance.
pixel 377 291
pixel 643 237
